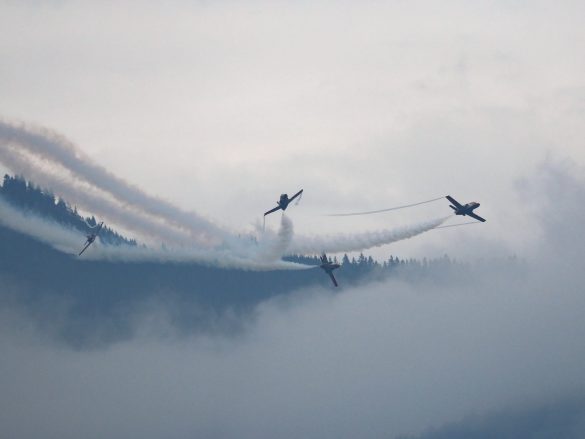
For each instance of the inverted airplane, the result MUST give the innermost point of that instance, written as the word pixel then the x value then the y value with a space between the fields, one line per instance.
pixel 329 266
pixel 465 210
pixel 284 202
pixel 91 237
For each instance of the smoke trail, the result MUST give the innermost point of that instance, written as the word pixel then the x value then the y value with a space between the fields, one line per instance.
pixel 358 241
pixel 457 225
pixel 88 199
pixel 213 258
pixel 70 241
pixel 273 247
pixel 176 241
pixel 385 210
pixel 60 238
pixel 53 147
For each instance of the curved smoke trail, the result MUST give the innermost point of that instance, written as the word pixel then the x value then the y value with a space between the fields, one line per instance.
pixel 134 209
pixel 88 199
pixel 64 239
pixel 69 241
pixel 53 147
pixel 358 241
pixel 212 258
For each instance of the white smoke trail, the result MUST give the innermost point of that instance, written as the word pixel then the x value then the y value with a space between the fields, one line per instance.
pixel 358 241
pixel 53 147
pixel 90 200
pixel 274 246
pixel 211 258
pixel 177 249
pixel 60 238
pixel 70 241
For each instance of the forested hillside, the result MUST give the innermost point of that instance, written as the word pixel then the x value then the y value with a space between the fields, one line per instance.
pixel 95 301
pixel 27 196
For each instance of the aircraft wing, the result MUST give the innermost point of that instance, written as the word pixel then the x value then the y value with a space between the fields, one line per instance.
pixel 333 279
pixel 295 195
pixel 272 210
pixel 476 216
pixel 454 201
pixel 84 248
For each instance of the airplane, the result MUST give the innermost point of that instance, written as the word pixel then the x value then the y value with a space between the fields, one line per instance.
pixel 91 237
pixel 329 266
pixel 466 209
pixel 284 202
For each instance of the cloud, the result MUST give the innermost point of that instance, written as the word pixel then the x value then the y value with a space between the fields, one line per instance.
pixel 390 358
pixel 352 96
pixel 386 359
pixel 564 418
pixel 554 190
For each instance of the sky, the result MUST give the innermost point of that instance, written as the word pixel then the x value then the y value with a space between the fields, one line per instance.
pixel 219 107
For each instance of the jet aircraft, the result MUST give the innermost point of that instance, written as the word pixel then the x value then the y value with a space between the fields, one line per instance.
pixel 91 237
pixel 466 209
pixel 328 267
pixel 284 202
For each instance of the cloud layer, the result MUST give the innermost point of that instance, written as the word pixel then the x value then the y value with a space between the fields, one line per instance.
pixel 384 359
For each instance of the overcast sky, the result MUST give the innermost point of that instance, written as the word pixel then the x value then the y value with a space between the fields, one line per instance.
pixel 221 106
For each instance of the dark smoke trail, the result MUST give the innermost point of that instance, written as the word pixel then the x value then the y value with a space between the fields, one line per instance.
pixel 54 148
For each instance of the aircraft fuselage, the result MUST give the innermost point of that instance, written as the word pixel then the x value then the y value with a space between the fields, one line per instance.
pixel 329 267
pixel 283 202
pixel 466 209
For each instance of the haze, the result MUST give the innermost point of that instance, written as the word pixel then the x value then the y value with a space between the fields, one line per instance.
pixel 218 108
